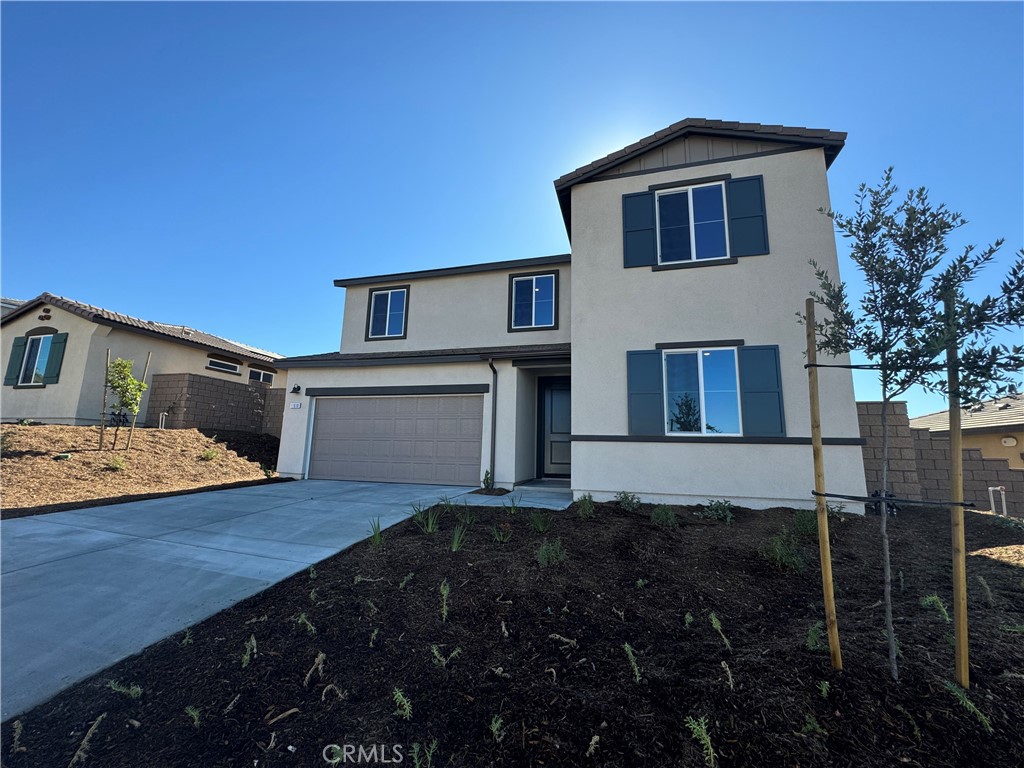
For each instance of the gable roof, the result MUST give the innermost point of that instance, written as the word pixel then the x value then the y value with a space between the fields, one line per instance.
pixel 1002 413
pixel 831 141
pixel 180 333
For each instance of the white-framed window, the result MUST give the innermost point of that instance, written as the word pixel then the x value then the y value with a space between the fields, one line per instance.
pixel 692 224
pixel 265 376
pixel 702 392
pixel 37 354
pixel 387 311
pixel 223 365
pixel 533 302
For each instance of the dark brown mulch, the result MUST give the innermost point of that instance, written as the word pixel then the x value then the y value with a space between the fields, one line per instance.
pixel 543 650
pixel 492 491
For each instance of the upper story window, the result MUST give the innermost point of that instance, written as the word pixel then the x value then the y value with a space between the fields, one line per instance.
pixel 386 313
pixel 702 392
pixel 533 302
pixel 691 224
pixel 37 354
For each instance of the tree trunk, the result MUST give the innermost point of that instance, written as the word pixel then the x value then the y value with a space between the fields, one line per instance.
pixel 886 566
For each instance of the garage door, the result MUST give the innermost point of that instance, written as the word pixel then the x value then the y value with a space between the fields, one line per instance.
pixel 427 439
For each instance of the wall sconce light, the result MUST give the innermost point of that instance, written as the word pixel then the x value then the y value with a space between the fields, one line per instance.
pixel 296 389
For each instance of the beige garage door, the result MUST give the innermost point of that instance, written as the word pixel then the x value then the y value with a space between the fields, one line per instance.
pixel 423 439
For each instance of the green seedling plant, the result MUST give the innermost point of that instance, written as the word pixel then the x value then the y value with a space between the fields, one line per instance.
pixel 209 454
pixel 83 749
pixel 628 502
pixel 318 667
pixel 376 535
pixel 699 733
pixel 718 509
pixel 783 552
pixel 304 621
pixel 16 731
pixel 990 599
pixel 551 553
pixel 511 506
pixel 585 506
pixel 427 520
pixel 116 464
pixel 687 620
pixel 641 583
pixel 664 516
pixel 447 505
pixel 440 659
pixel 312 573
pixel 406 579
pixel 1013 629
pixel 465 516
pixel 403 706
pixel 187 639
pixel 824 688
pixel 497 728
pixel 960 695
pixel 131 691
pixel 373 636
pixel 717 626
pixel 805 523
pixel 816 637
pixel 541 522
pixel 249 651
pixel 501 535
pixel 631 658
pixel 193 715
pixel 428 754
pixel 458 537
pixel 812 727
pixel 445 591
pixel 934 601
pixel 488 481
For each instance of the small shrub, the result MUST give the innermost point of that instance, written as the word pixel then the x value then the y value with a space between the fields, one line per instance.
pixel 631 658
pixel 488 481
pixel 193 715
pixel 458 537
pixel 406 579
pixel 717 626
pixel 131 691
pixel 718 509
pixel 627 501
pixel 990 599
pixel 376 535
pixel 497 728
pixel 403 706
pixel 960 695
pixel 445 591
pixel 249 651
pixel 687 620
pixel 466 516
pixel 501 535
pixel 551 553
pixel 209 454
pixel 934 601
pixel 427 520
pixel 812 727
pixel 511 506
pixel 303 620
pixel 835 511
pixel 447 505
pixel 783 552
pixel 585 506
pixel 641 583
pixel 816 637
pixel 805 523
pixel 699 733
pixel 824 688
pixel 664 516
pixel 187 639
pixel 6 443
pixel 428 754
pixel 541 522
pixel 116 464
pixel 440 659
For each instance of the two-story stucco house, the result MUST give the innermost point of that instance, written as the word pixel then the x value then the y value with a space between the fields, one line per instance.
pixel 662 357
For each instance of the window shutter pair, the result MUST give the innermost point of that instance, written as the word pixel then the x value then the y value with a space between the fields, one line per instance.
pixel 53 364
pixel 760 392
pixel 748 223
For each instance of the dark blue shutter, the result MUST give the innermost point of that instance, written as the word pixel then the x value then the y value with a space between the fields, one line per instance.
pixel 53 363
pixel 16 361
pixel 761 392
pixel 644 383
pixel 639 238
pixel 748 224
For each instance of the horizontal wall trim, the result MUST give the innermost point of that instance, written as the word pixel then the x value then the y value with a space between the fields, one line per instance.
pixel 469 269
pixel 534 362
pixel 425 389
pixel 698 344
pixel 710 439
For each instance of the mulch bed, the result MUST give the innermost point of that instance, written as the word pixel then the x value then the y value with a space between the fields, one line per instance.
pixel 543 650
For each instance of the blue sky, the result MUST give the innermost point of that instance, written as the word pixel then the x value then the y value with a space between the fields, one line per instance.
pixel 218 165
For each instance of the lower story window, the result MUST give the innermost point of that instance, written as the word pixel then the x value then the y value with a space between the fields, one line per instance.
pixel 222 365
pixel 265 376
pixel 37 353
pixel 702 392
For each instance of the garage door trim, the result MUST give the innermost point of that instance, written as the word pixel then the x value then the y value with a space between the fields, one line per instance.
pixel 425 389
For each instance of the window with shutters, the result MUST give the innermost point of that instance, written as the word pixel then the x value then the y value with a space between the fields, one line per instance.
pixel 702 392
pixel 37 354
pixel 691 224
pixel 36 358
pixel 386 313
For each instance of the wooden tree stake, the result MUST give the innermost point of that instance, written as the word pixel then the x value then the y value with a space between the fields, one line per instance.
pixel 956 490
pixel 824 549
pixel 135 416
pixel 103 413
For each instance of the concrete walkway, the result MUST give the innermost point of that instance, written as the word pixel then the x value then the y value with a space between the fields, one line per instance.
pixel 84 589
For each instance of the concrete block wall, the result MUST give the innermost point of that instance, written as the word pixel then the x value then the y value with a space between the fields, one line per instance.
pixel 194 401
pixel 919 462
pixel 273 412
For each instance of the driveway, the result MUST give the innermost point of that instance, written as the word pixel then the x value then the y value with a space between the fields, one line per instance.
pixel 84 589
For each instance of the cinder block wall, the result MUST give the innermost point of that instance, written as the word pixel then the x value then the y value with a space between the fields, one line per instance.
pixel 919 462
pixel 194 401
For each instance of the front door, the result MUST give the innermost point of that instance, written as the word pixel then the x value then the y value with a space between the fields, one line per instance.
pixel 555 426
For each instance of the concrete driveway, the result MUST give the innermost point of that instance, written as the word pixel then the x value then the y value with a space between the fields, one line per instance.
pixel 83 589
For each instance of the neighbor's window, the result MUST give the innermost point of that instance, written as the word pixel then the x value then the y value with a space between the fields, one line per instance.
pixel 533 302
pixel 691 224
pixel 265 376
pixel 37 353
pixel 387 313
pixel 702 392
pixel 223 365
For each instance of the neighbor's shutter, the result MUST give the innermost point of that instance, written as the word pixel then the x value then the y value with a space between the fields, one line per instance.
pixel 646 398
pixel 53 363
pixel 761 392
pixel 15 363
pixel 748 225
pixel 639 239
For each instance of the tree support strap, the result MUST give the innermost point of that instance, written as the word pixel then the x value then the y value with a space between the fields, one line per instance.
pixel 888 499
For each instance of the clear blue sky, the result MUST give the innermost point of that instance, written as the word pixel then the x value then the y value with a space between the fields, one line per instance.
pixel 218 165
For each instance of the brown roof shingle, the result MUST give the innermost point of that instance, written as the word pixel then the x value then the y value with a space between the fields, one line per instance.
pixel 991 414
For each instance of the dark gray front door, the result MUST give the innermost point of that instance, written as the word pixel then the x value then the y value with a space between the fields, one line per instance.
pixel 555 426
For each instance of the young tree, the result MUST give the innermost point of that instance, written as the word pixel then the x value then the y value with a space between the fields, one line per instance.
pixel 126 388
pixel 902 327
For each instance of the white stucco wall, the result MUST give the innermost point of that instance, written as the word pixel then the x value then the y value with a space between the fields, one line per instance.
pixel 468 310
pixel 756 300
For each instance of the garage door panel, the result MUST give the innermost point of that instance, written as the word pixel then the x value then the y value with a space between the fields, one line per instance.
pixel 422 439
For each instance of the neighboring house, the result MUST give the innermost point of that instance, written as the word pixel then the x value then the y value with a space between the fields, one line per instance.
pixel 663 357
pixel 994 427
pixel 54 353
pixel 9 305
